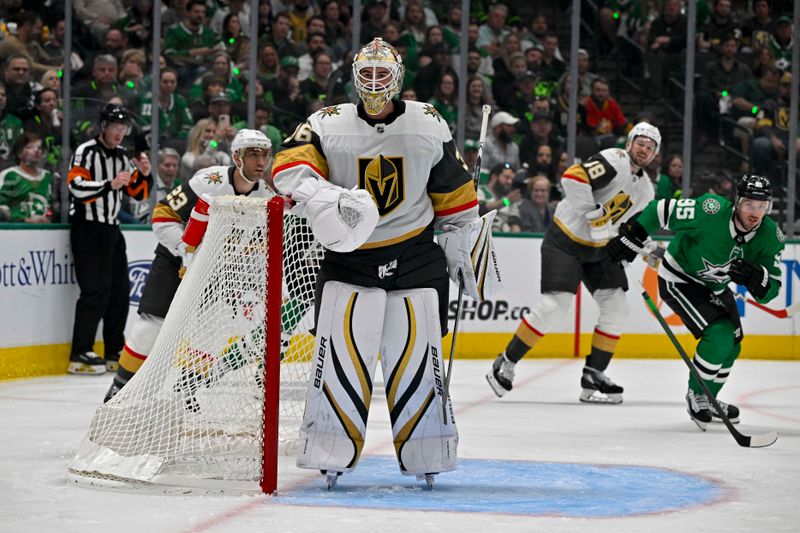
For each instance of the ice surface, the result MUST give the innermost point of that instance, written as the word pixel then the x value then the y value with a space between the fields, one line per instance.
pixel 535 460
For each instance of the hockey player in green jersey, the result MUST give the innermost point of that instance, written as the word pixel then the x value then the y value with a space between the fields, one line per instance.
pixel 715 242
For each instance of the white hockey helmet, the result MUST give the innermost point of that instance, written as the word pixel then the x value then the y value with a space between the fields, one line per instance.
pixel 249 139
pixel 644 129
pixel 373 89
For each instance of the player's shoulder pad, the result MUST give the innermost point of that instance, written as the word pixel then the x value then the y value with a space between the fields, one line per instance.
pixel 615 157
pixel 430 121
pixel 329 116
pixel 712 204
pixel 210 180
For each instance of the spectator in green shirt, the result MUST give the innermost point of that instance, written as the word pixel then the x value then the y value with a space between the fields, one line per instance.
pixel 174 118
pixel 188 44
pixel 669 182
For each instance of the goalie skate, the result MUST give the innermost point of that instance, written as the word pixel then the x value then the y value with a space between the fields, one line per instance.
pixel 331 478
pixel 427 478
pixel 501 376
pixel 596 387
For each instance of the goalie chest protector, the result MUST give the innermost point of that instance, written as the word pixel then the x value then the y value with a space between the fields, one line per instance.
pixel 394 161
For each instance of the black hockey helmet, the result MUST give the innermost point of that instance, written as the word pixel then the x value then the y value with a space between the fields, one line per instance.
pixel 115 113
pixel 754 187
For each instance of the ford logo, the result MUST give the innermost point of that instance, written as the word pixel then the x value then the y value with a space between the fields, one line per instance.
pixel 137 274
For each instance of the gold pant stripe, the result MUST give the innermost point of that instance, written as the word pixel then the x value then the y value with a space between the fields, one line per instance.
pixel 607 343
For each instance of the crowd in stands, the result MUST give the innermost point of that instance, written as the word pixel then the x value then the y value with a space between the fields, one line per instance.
pixel 515 63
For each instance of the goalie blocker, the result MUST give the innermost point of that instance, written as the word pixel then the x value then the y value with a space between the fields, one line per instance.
pixel 356 324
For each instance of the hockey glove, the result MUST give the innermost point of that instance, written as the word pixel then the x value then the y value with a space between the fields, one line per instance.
pixel 753 276
pixel 470 256
pixel 628 244
pixel 599 223
pixel 341 219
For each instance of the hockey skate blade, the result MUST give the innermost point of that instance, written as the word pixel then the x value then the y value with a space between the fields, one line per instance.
pixel 762 441
pixel 597 397
pixel 428 479
pixel 498 389
pixel 715 419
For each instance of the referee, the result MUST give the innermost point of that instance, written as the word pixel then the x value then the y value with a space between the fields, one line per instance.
pixel 100 174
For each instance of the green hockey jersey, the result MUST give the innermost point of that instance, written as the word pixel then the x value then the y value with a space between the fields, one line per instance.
pixel 706 241
pixel 25 195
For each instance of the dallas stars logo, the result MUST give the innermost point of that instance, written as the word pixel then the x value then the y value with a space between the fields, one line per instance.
pixel 214 177
pixel 329 111
pixel 714 273
pixel 430 110
pixel 711 206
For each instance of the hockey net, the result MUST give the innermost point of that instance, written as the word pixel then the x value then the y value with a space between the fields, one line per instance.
pixel 232 356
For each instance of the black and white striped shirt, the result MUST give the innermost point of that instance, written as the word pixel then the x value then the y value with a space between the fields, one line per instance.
pixel 92 171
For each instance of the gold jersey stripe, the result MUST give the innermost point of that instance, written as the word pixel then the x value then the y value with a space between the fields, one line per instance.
pixel 577 173
pixel 443 201
pixel 305 154
pixel 575 238
pixel 164 213
pixel 393 240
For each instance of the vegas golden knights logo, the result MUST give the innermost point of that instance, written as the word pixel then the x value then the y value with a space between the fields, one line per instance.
pixel 384 179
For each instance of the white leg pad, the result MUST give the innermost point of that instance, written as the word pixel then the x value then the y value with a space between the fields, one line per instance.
pixel 613 310
pixel 340 388
pixel 411 357
pixel 144 333
pixel 549 311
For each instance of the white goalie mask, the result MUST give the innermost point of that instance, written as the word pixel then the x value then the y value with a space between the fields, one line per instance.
pixel 377 74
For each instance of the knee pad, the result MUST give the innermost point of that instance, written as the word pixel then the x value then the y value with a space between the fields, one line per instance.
pixel 425 434
pixel 613 310
pixel 717 343
pixel 140 342
pixel 549 311
pixel 340 389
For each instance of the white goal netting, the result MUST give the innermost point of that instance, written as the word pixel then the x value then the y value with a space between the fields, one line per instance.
pixel 193 415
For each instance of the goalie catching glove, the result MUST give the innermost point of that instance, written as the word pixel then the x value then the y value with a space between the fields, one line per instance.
pixel 628 244
pixel 471 258
pixel 754 277
pixel 341 219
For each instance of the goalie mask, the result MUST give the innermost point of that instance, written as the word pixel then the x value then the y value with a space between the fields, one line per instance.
pixel 252 140
pixel 643 129
pixel 377 75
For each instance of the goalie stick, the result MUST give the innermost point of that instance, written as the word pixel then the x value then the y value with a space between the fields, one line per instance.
pixel 746 441
pixel 476 176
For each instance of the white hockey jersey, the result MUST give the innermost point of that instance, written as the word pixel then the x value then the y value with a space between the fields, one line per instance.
pixel 173 211
pixel 605 179
pixel 407 161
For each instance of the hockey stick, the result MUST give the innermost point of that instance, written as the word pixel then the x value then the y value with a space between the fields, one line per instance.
pixel 754 441
pixel 777 313
pixel 476 176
